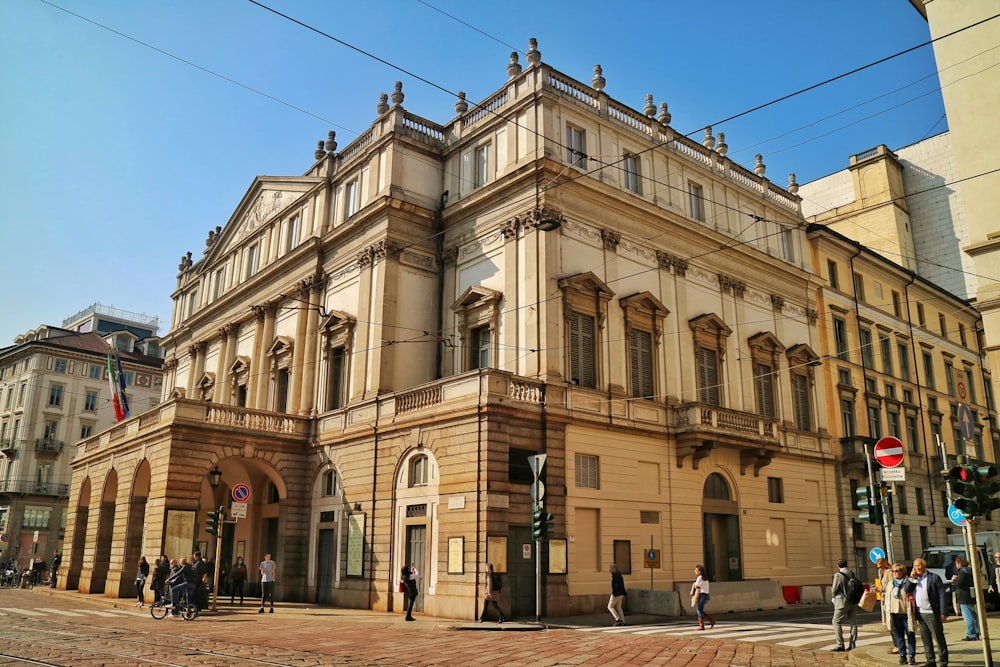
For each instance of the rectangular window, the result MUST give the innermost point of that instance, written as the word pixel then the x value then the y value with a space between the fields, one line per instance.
pixel 35 517
pixel 518 469
pixel 890 390
pixel 51 428
pixel 581 349
pixel 351 193
pixel 897 307
pixel 961 335
pixel 250 267
pixel 61 365
pixel 886 347
pixel 867 351
pixel 21 391
pixel 763 378
pixel 218 283
pixel 943 325
pixel 831 274
pixel 921 509
pixel 840 337
pixel 924 538
pixel 921 320
pixel 292 240
pixel 874 421
pixel 90 401
pixel 859 287
pixel 10 398
pixel 623 556
pixel 281 391
pixel 970 384
pixel 633 177
pixel 929 370
pixel 912 434
pixel 801 402
pixel 904 361
pixel 696 201
pixel 787 245
pixel 95 372
pixel 587 471
pixel 708 377
pixel 576 147
pixel 482 165
pixel 844 377
pixel 908 396
pixel 648 516
pixel 55 395
pixel 907 547
pixel 848 422
pixel 337 376
pixel 894 426
pixel 641 358
pixel 86 430
pixel 479 345
pixel 901 499
pixel 775 490
pixel 949 377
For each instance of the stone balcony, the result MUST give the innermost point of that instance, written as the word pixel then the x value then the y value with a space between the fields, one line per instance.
pixel 48 446
pixel 29 487
pixel 701 427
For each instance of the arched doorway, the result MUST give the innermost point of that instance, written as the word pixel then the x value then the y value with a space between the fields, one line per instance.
pixel 415 512
pixel 105 533
pixel 721 531
pixel 75 556
pixel 135 533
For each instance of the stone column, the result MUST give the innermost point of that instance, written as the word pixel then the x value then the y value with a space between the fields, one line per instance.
pixel 263 372
pixel 221 369
pixel 310 361
pixel 295 369
pixel 256 367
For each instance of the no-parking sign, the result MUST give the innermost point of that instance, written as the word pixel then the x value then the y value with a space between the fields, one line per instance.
pixel 241 493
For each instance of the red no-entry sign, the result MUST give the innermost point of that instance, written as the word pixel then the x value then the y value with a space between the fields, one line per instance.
pixel 889 452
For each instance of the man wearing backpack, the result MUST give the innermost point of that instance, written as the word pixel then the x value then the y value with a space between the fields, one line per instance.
pixel 847 590
pixel 491 593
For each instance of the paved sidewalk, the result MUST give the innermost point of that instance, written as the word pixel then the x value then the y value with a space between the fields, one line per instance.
pixel 959 652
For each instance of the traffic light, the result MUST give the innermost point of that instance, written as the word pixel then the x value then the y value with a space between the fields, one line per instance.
pixel 213 526
pixel 541 522
pixel 986 489
pixel 963 485
pixel 870 509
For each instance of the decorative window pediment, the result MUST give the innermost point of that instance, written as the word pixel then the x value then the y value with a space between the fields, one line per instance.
pixel 587 293
pixel 282 345
pixel 801 355
pixel 476 296
pixel 241 365
pixel 338 328
pixel 178 392
pixel 644 310
pixel 710 330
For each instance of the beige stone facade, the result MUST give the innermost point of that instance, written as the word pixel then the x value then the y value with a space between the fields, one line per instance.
pixel 376 348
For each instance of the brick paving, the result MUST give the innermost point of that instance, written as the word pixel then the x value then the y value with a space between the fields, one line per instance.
pixel 307 637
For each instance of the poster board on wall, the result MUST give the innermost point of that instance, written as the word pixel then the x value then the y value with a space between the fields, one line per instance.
pixel 179 539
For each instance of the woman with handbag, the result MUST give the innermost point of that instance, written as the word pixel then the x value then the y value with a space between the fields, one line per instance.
pixel 140 581
pixel 700 597
pixel 408 587
pixel 897 603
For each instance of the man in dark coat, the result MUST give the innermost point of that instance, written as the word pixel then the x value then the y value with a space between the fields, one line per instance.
pixel 617 596
pixel 845 612
pixel 927 590
pixel 56 562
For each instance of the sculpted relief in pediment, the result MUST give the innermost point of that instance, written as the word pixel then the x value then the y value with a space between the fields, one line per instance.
pixel 266 205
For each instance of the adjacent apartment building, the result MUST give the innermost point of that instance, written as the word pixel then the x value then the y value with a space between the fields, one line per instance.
pixel 53 392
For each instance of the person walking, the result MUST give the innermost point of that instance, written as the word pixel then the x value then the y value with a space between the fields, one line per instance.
pixel 56 562
pixel 491 593
pixel 237 578
pixel 200 568
pixel 927 590
pixel 140 581
pixel 161 572
pixel 962 586
pixel 700 590
pixel 617 596
pixel 882 580
pixel 408 577
pixel 845 612
pixel 897 604
pixel 268 570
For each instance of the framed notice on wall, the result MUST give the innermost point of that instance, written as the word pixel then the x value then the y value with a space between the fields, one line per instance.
pixel 557 556
pixel 456 555
pixel 355 545
pixel 179 539
pixel 496 552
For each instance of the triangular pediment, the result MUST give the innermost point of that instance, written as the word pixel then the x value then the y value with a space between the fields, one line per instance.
pixel 710 323
pixel 767 341
pixel 240 365
pixel 267 198
pixel 207 380
pixel 645 302
pixel 801 353
pixel 337 319
pixel 476 295
pixel 281 345
pixel 587 283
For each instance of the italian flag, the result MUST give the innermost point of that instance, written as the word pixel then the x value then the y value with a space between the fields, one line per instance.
pixel 119 412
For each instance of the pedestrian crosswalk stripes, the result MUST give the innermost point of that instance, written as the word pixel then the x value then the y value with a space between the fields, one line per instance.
pixel 47 611
pixel 799 635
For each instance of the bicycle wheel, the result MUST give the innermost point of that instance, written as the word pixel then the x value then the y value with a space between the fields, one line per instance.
pixel 189 612
pixel 158 609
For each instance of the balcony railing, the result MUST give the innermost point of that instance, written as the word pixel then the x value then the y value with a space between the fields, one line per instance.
pixel 48 445
pixel 31 487
pixel 701 416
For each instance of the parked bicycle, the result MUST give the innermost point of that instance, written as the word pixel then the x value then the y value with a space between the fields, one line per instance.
pixel 187 609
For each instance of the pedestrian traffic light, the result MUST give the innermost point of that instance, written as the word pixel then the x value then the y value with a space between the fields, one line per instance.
pixel 213 526
pixel 541 522
pixel 870 509
pixel 987 487
pixel 963 485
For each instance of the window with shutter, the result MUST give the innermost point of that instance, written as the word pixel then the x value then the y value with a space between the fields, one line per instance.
pixel 641 359
pixel 581 341
pixel 801 403
pixel 763 376
pixel 587 471
pixel 708 377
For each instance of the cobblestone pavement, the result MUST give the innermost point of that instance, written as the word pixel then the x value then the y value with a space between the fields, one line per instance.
pixel 69 629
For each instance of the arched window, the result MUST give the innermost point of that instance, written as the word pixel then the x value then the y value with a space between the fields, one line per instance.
pixel 716 487
pixel 418 470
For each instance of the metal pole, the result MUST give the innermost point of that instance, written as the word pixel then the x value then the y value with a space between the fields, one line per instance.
pixel 538 570
pixel 984 628
pixel 650 569
pixel 881 502
pixel 218 563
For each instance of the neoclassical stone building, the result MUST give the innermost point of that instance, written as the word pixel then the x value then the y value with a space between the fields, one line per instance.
pixel 375 349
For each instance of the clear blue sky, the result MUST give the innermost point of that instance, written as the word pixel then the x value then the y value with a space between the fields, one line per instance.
pixel 116 159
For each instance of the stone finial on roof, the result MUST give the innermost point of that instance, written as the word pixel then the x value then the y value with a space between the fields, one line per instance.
pixel 759 167
pixel 397 93
pixel 597 83
pixel 320 153
pixel 461 106
pixel 664 114
pixel 709 141
pixel 514 68
pixel 722 148
pixel 383 104
pixel 534 55
pixel 793 187
pixel 331 142
pixel 650 108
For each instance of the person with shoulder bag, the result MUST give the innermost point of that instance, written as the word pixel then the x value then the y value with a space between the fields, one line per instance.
pixel 491 593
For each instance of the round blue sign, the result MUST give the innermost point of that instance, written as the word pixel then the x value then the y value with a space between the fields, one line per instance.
pixel 875 554
pixel 241 493
pixel 965 422
pixel 650 555
pixel 957 516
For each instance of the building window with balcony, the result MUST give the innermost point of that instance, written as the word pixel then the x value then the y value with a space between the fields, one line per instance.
pixel 55 396
pixel 576 147
pixel 696 201
pixel 632 174
pixel 51 428
pixel 480 344
pixel 336 378
pixel 338 335
pixel 765 350
pixel 710 334
pixel 775 490
pixel 477 314
pixel 587 471
pixel 90 401
pixel 644 315
pixel 802 401
pixel 280 354
pixel 585 307
pixel 419 470
pixel 840 338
